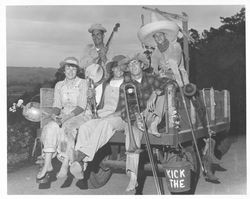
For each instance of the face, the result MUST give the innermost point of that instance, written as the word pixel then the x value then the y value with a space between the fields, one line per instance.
pixel 159 37
pixel 135 67
pixel 70 71
pixel 118 73
pixel 97 36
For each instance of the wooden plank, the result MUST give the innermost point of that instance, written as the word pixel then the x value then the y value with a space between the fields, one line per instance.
pixel 171 139
pixel 46 102
pixel 212 106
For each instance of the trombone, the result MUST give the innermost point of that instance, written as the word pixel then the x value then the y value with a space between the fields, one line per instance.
pixel 134 115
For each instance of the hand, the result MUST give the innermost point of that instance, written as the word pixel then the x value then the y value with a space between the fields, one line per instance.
pixel 151 102
pixel 64 118
pixel 158 92
pixel 57 119
pixel 102 54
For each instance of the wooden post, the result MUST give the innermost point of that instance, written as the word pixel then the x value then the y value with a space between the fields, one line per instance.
pixel 185 45
pixel 212 107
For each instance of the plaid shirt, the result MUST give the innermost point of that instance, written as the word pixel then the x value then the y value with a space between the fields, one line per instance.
pixel 145 88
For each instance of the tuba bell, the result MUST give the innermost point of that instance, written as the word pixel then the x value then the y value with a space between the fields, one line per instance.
pixel 189 90
pixel 32 111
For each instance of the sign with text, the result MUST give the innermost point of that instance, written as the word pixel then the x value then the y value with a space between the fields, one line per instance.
pixel 178 176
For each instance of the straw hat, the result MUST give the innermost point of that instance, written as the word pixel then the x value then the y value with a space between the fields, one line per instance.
pixel 70 61
pixel 118 60
pixel 141 57
pixel 97 27
pixel 146 32
pixel 94 72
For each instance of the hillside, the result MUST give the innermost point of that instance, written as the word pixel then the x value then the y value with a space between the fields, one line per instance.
pixel 22 80
pixel 29 75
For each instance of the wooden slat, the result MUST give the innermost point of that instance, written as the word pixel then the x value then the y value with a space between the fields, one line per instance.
pixel 212 106
pixel 46 102
pixel 171 139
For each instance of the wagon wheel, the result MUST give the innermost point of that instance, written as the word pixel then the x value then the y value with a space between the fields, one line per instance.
pixel 98 173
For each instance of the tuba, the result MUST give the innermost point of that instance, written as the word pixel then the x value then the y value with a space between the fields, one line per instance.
pixel 33 112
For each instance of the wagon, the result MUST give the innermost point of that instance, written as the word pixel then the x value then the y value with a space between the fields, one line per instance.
pixel 111 157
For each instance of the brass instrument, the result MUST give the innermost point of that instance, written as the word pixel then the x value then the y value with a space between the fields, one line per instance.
pixel 33 112
pixel 190 89
pixel 133 113
pixel 134 117
pixel 91 100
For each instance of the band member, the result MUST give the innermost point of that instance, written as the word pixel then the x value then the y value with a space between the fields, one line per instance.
pixel 97 132
pixel 167 59
pixel 149 89
pixel 97 52
pixel 69 112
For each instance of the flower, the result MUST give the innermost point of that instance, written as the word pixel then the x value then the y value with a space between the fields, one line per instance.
pixel 19 103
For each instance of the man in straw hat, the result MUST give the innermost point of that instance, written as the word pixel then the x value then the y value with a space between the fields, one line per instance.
pixel 162 34
pixel 97 52
pixel 149 89
pixel 168 57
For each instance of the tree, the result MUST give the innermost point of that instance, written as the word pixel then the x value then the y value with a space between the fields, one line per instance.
pixel 218 60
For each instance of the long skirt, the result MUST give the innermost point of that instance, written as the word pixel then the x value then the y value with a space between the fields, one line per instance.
pixel 96 133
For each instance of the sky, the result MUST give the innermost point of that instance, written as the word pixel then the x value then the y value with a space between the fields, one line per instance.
pixel 43 35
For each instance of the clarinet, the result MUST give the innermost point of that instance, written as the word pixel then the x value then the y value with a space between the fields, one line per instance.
pixel 91 100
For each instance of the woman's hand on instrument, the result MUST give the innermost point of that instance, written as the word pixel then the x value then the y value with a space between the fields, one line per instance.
pixel 66 117
pixel 57 119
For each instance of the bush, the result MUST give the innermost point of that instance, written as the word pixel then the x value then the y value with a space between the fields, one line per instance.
pixel 20 138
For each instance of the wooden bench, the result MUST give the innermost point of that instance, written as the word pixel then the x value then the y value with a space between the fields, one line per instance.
pixel 217 105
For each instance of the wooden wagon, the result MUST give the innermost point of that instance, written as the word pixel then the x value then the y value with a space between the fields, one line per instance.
pixel 111 157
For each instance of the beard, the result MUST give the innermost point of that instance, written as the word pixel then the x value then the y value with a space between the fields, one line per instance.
pixel 163 46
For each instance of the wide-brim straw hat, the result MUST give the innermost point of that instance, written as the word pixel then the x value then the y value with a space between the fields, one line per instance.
pixel 71 61
pixel 140 57
pixel 146 32
pixel 97 26
pixel 118 60
pixel 94 72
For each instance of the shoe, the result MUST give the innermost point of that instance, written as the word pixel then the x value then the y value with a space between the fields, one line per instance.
pixel 217 167
pixel 62 173
pixel 215 181
pixel 44 179
pixel 212 178
pixel 76 169
pixel 153 129
pixel 132 183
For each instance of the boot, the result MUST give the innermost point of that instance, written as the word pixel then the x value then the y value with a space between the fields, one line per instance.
pixel 210 177
pixel 153 127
